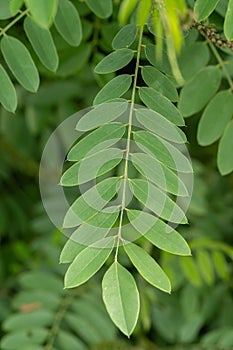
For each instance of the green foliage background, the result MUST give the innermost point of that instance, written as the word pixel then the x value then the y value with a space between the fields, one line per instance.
pixel 35 311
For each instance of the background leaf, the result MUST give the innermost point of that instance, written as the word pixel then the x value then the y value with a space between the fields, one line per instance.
pixel 68 23
pixel 42 42
pixel 224 159
pixel 228 31
pixel 8 97
pixel 204 8
pixel 20 63
pixel 102 8
pixel 43 12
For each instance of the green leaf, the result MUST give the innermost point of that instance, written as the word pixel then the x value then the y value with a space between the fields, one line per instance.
pixel 160 82
pixel 101 114
pixel 87 207
pixel 211 125
pixel 20 63
pixel 158 232
pixel 67 340
pixel 157 201
pixel 5 12
pixel 114 61
pixel 204 262
pixel 200 89
pixel 192 58
pixel 15 6
pixel 92 167
pixel 43 11
pixel 87 263
pixel 42 42
pixel 228 29
pixel 190 270
pixel 101 8
pixel 220 264
pixel 148 267
pixel 8 97
pixel 125 37
pixel 121 298
pixel 99 139
pixel 162 150
pixel 114 88
pixel 157 173
pixel 68 23
pixel 160 104
pixel 84 236
pixel 204 8
pixel 224 158
pixel 30 320
pixel 24 339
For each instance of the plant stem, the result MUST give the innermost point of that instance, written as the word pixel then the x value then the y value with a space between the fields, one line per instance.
pixel 125 176
pixel 4 30
pixel 57 320
pixel 221 63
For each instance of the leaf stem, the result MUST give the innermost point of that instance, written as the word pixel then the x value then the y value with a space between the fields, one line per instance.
pixel 221 63
pixel 4 30
pixel 127 153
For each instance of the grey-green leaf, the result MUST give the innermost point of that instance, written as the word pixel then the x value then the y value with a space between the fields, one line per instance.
pixel 224 158
pixel 121 298
pixel 148 267
pixel 215 118
pixel 99 139
pixel 101 114
pixel 68 23
pixel 160 82
pixel 204 8
pixel 114 61
pixel 158 124
pixel 102 8
pixel 158 232
pixel 87 263
pixel 162 150
pixel 42 42
pixel 125 37
pixel 20 63
pixel 159 103
pixel 157 173
pixel 92 167
pixel 42 11
pixel 157 201
pixel 15 6
pixel 228 29
pixel 114 88
pixel 8 97
pixel 199 90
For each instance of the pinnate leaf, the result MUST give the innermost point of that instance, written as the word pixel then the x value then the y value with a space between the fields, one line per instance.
pixel 228 29
pixel 224 158
pixel 204 8
pixel 125 37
